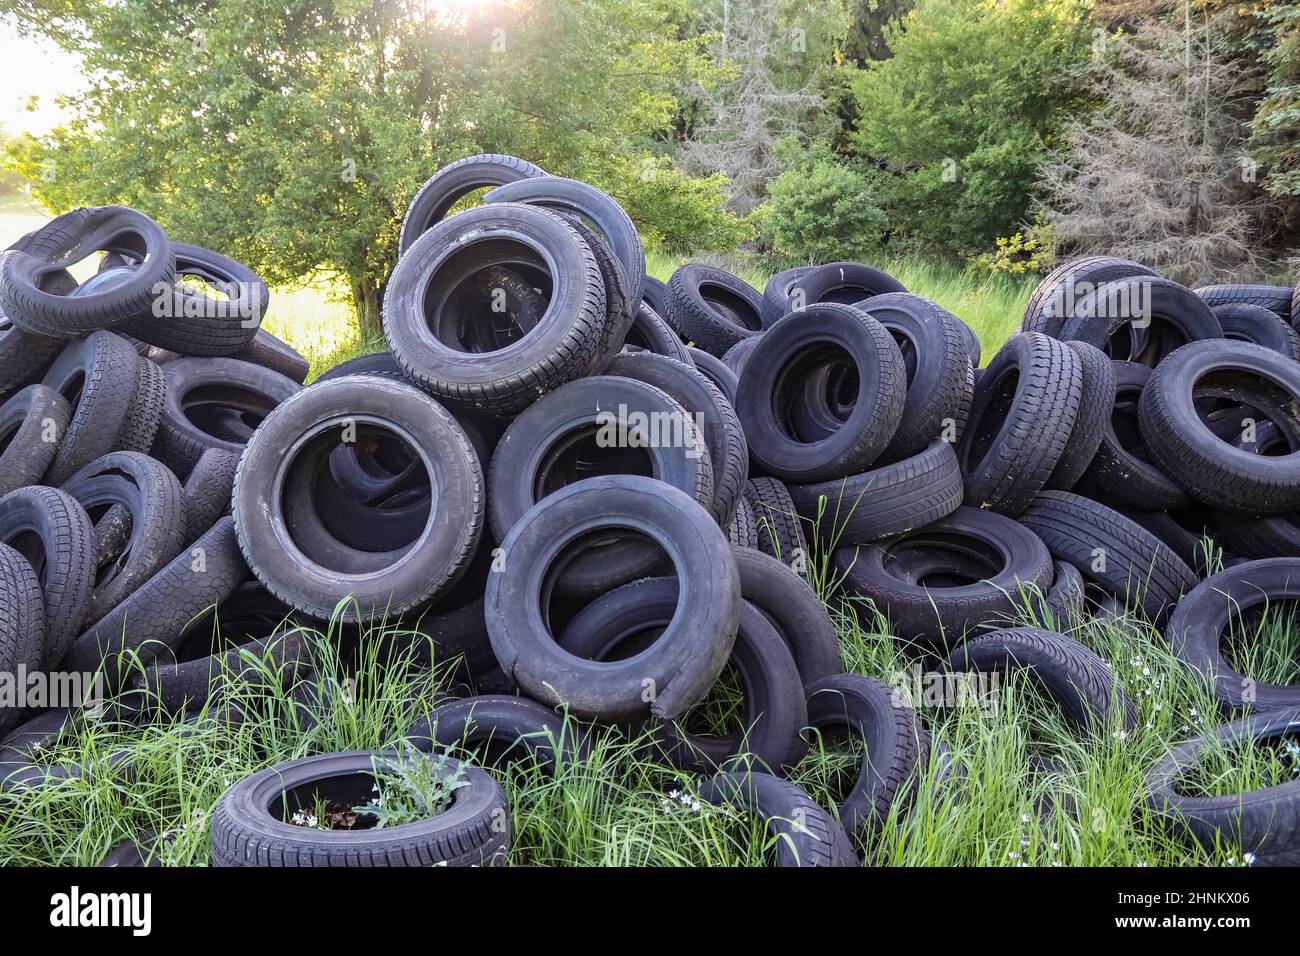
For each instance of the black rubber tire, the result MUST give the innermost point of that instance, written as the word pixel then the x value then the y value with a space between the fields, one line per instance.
pixel 589 203
pixel 681 666
pixel 794 609
pixel 655 294
pixel 557 350
pixel 43 307
pixel 451 183
pixel 207 491
pixel 1110 550
pixel 269 352
pixel 150 494
pixel 780 532
pixel 203 387
pixel 1201 626
pixel 1270 536
pixel 54 534
pixel 155 616
pixel 737 356
pixel 1172 528
pixel 498 730
pixel 885 501
pixel 22 768
pixel 1265 823
pixel 1275 298
pixel 719 426
pixel 1212 470
pixel 843 282
pixel 98 378
pixel 1091 696
pixel 773 711
pixel 1050 304
pixel 650 332
pixel 376 363
pixel 1261 326
pixel 1023 411
pixel 23 357
pixel 473 831
pixel 897 748
pixel 717 372
pixel 22 625
pixel 774 376
pixel 1176 316
pixel 620 315
pixel 1092 420
pixel 527 462
pixel 269 522
pixel 190 322
pixel 804 833
pixel 32 424
pixel 776 294
pixel 145 413
pixel 935 355
pixel 140 851
pixel 743 530
pixel 713 308
pixel 999 559
pixel 1123 466
pixel 1062 607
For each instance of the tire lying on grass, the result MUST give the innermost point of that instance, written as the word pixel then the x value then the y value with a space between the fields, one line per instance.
pixel 1217 614
pixel 500 729
pixel 1263 822
pixel 896 748
pixel 777 521
pixel 964 572
pixel 32 423
pixel 1090 695
pixel 677 670
pixel 429 328
pixel 843 282
pixel 1266 385
pixel 791 606
pixel 803 833
pixel 279 526
pixel 622 622
pixel 249 825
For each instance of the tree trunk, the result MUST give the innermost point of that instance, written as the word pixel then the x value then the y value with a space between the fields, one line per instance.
pixel 366 301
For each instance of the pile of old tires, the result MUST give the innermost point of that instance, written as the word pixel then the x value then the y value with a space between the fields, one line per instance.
pixel 596 493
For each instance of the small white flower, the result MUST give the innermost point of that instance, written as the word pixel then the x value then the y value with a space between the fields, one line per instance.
pixel 1013 855
pixel 1249 859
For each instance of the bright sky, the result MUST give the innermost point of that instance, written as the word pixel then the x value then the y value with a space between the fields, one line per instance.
pixel 33 68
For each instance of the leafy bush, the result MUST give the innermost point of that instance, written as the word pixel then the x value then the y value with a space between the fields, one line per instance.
pixel 965 112
pixel 673 212
pixel 823 209
pixel 1031 250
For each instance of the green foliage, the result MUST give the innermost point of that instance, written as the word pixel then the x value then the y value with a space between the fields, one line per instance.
pixel 412 788
pixel 674 212
pixel 824 209
pixel 1031 250
pixel 966 110
pixel 1276 127
pixel 292 135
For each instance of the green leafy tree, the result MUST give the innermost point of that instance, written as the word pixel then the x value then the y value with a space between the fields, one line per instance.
pixel 1276 128
pixel 966 110
pixel 291 134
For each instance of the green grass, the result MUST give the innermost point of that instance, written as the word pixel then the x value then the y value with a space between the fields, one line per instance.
pixel 623 807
